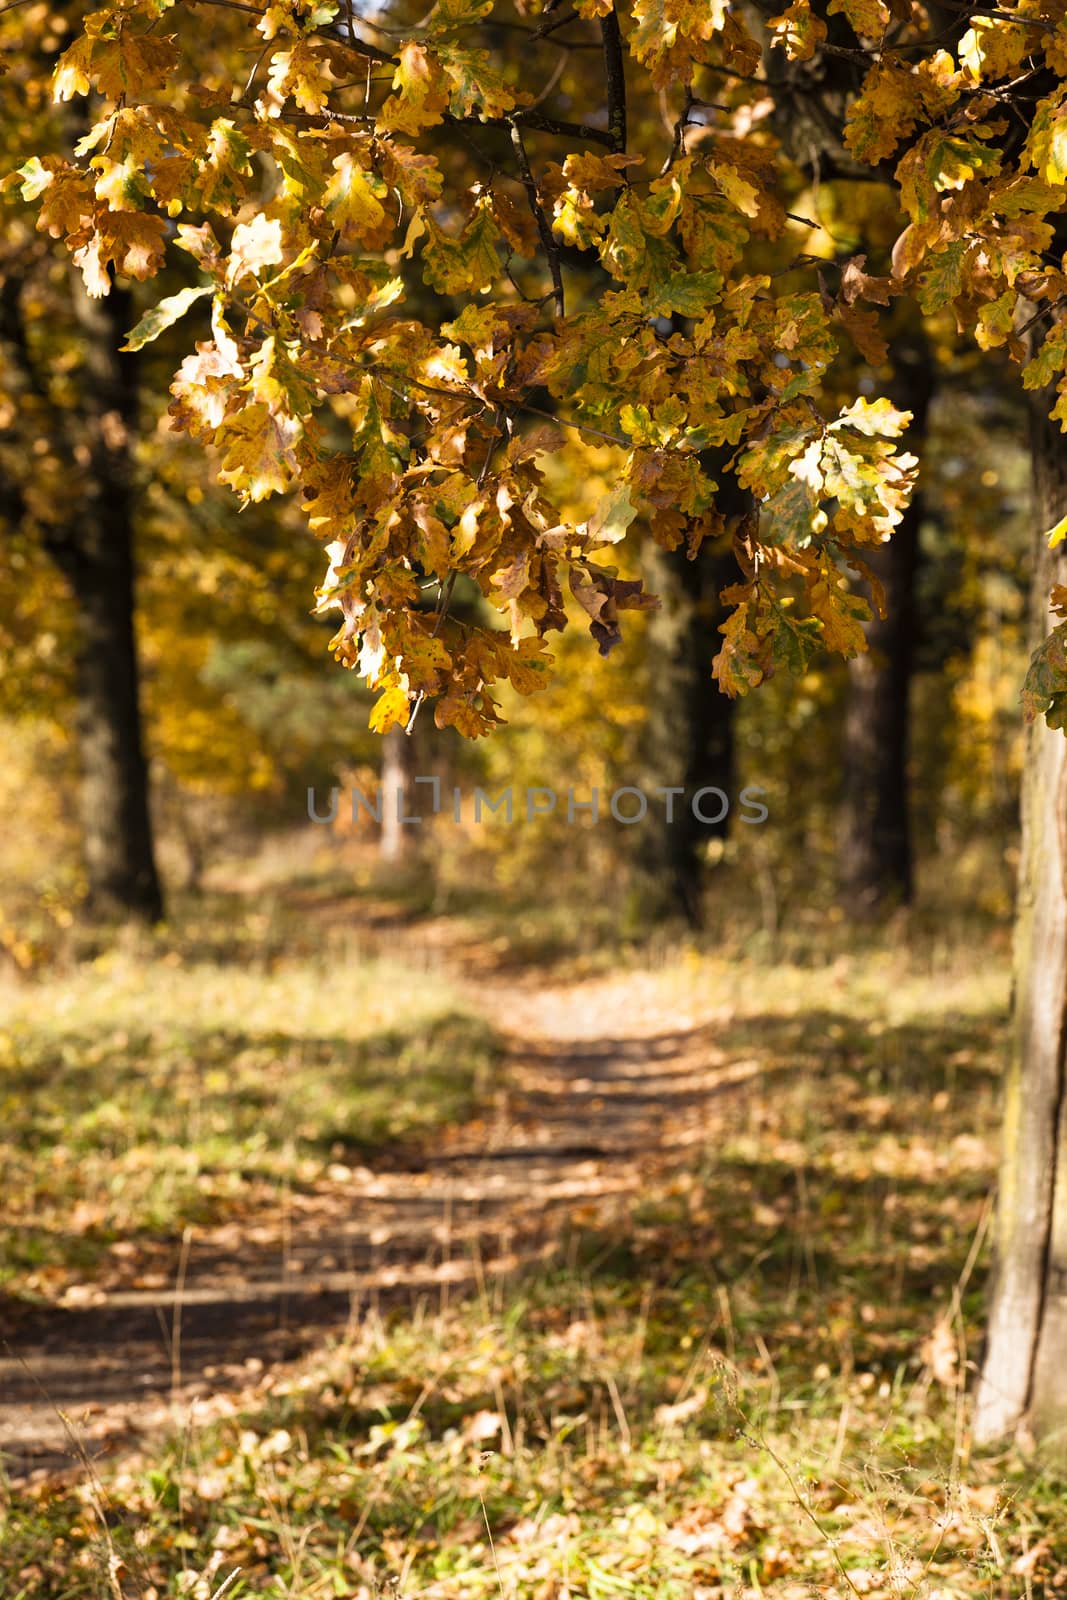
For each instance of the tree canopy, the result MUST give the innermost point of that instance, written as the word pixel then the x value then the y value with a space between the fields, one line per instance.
pixel 435 249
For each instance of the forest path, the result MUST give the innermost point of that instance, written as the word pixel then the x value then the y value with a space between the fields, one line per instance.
pixel 606 1081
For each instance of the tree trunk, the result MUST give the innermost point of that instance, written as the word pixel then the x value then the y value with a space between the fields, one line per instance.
pixel 94 548
pixel 689 743
pixel 1026 1349
pixel 876 851
pixel 398 838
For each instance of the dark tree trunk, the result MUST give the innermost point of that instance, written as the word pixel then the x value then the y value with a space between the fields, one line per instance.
pixel 876 848
pixel 689 742
pixel 1022 1380
pixel 94 548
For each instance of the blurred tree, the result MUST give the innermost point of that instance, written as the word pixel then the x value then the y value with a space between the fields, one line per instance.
pixel 398 796
pixel 689 743
pixel 877 851
pixel 72 395
pixel 87 530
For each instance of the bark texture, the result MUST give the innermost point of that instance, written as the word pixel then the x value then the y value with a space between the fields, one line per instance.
pixel 1023 1375
pixel 90 539
pixel 93 546
pixel 398 840
pixel 876 844
pixel 689 741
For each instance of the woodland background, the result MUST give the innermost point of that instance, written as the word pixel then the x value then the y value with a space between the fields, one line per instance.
pixel 742 1371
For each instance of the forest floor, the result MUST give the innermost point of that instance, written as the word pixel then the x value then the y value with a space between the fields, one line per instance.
pixel 345 1253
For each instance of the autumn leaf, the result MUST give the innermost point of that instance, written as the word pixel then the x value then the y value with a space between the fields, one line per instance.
pixel 1044 692
pixel 875 418
pixel 391 710
pixel 798 31
pixel 613 516
pixel 163 315
pixel 478 88
pixel 742 662
pixel 1047 142
pixel 869 18
pixel 464 264
pixel 885 112
pixel 841 613
pixel 864 330
pixel 330 193
pixel 420 94
pixel 255 245
pixel 352 198
pixel 257 451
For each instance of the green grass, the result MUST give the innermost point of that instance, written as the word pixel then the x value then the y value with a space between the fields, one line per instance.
pixel 181 1080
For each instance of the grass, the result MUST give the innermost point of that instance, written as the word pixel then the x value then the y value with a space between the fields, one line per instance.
pixel 745 1379
pixel 183 1079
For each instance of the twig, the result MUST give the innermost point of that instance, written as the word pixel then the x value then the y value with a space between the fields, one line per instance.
pixel 98 1496
pixel 267 48
pixel 534 119
pixel 227 1583
pixel 678 141
pixel 492 1546
pixel 548 243
pixel 968 12
pixel 828 1540
pixel 582 427
pixel 176 1334
pixel 540 98
pixel 551 26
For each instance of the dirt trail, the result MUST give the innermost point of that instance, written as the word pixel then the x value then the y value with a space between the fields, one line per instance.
pixel 606 1081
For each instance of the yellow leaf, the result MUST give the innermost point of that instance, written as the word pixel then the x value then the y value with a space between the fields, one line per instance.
pixel 255 245
pixel 798 31
pixel 257 450
pixel 420 93
pixel 868 17
pixel 1047 144
pixel 391 710
pixel 350 200
pixel 744 196
pixel 72 72
pixel 301 74
pixel 1057 534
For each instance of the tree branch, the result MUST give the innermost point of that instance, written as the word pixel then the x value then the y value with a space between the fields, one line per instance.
pixel 547 241
pixel 534 119
pixel 616 75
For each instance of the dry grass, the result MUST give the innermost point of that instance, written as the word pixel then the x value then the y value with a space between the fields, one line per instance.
pixel 748 1380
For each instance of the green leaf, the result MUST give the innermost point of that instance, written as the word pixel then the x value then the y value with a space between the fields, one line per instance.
pixel 793 515
pixel 942 278
pixel 689 294
pixel 1045 689
pixel 466 264
pixel 1050 360
pixel 1047 144
pixel 35 178
pixel 164 315
pixel 613 516
pixel 795 639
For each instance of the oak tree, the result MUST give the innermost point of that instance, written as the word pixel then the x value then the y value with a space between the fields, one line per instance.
pixel 319 168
